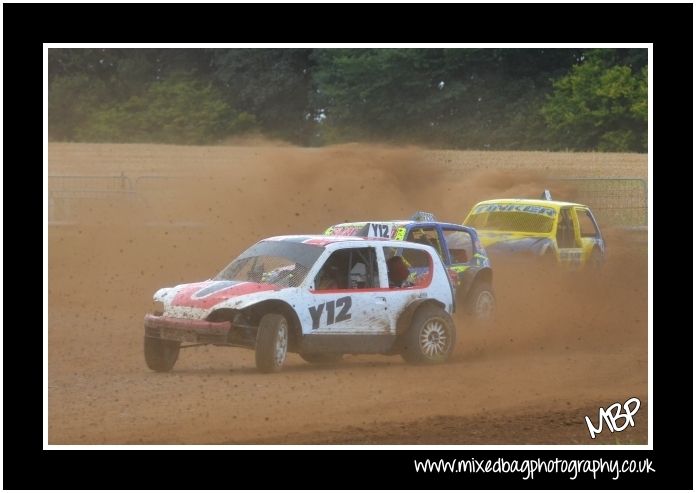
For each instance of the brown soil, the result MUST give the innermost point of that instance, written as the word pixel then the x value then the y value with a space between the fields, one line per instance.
pixel 563 346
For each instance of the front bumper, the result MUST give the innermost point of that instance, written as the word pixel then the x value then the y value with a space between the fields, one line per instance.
pixel 186 330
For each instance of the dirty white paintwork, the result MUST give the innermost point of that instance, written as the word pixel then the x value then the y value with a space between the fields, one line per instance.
pixel 371 311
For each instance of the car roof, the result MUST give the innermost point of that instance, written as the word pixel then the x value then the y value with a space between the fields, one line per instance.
pixel 537 202
pixel 323 241
pixel 397 222
pixel 318 240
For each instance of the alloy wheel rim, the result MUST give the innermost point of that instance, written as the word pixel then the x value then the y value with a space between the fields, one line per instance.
pixel 433 339
pixel 484 305
pixel 281 345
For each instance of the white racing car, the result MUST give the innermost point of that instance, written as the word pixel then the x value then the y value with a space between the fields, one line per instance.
pixel 319 296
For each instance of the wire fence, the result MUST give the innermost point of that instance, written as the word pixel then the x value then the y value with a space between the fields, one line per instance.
pixel 68 194
pixel 614 201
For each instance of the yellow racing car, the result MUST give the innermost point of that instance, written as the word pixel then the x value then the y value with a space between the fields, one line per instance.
pixel 562 232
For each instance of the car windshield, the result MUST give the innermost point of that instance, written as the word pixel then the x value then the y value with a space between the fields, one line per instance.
pixel 508 217
pixel 281 263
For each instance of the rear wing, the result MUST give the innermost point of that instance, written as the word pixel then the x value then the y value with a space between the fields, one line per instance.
pixel 422 216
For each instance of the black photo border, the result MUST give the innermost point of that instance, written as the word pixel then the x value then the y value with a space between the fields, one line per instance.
pixel 668 27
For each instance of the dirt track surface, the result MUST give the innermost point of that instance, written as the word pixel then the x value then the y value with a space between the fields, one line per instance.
pixel 563 345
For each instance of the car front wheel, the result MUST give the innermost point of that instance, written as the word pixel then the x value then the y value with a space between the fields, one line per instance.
pixel 271 343
pixel 161 355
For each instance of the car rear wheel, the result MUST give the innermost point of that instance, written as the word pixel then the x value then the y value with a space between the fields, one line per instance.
pixel 161 355
pixel 481 301
pixel 271 343
pixel 430 337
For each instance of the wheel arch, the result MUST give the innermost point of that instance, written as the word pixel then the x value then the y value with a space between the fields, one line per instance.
pixel 404 321
pixel 484 274
pixel 256 311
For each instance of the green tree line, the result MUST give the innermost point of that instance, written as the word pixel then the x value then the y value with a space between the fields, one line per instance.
pixel 532 98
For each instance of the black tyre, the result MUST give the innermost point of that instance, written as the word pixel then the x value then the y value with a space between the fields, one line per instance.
pixel 430 338
pixel 480 302
pixel 161 355
pixel 271 343
pixel 322 358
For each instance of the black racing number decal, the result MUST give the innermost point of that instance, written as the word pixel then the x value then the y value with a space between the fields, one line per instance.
pixel 343 303
pixel 330 309
pixel 380 230
pixel 315 312
pixel 344 314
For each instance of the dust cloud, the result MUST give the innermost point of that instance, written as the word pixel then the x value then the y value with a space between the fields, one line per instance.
pixel 561 341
